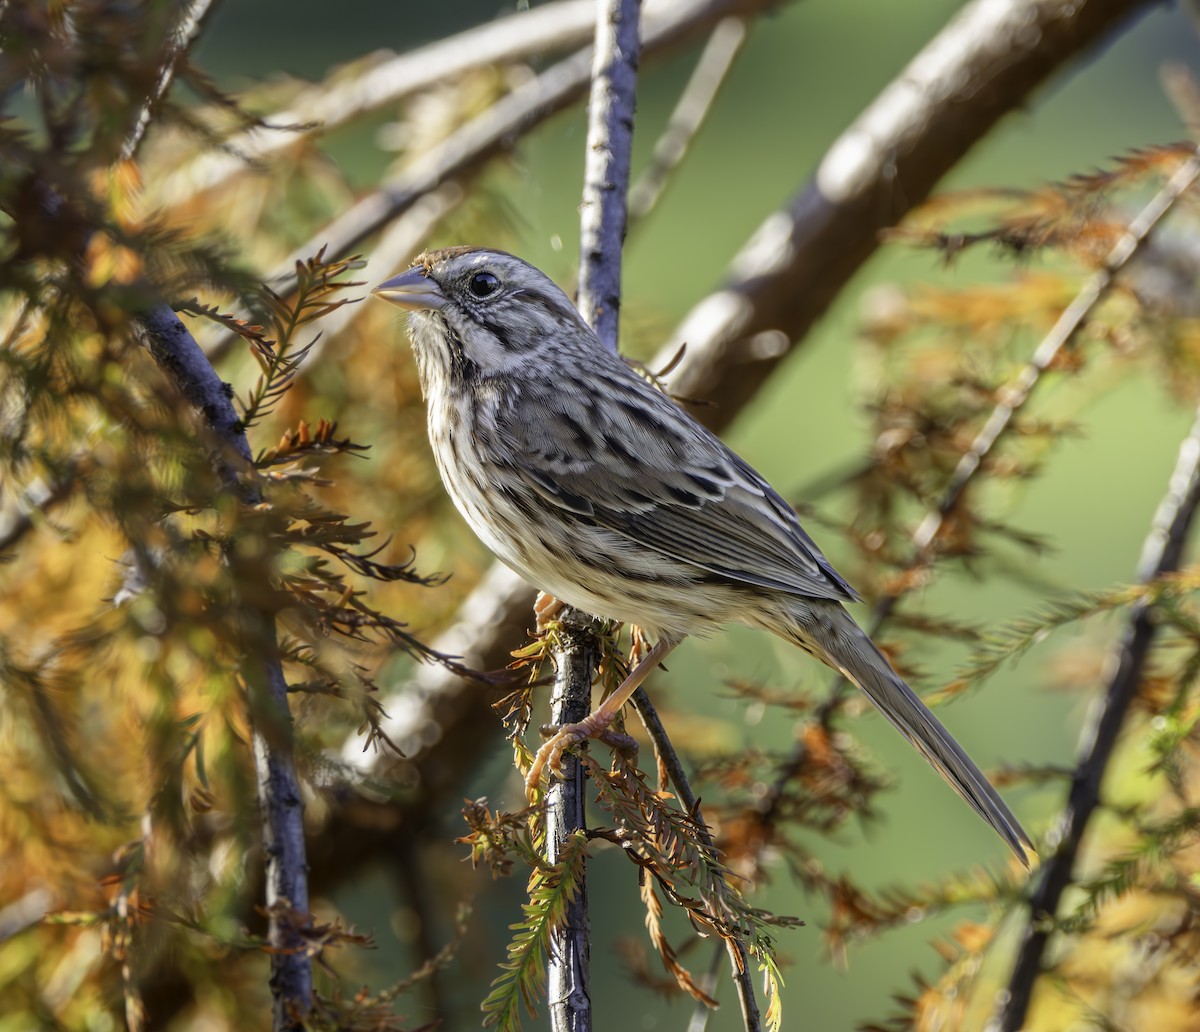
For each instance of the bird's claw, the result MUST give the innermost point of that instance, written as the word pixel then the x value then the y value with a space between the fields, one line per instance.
pixel 563 738
pixel 550 755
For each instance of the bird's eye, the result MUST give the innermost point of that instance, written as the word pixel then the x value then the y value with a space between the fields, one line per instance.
pixel 483 283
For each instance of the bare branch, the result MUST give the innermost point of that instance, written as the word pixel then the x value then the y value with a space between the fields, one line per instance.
pixel 1161 554
pixel 603 212
pixel 982 65
pixel 491 133
pixel 341 99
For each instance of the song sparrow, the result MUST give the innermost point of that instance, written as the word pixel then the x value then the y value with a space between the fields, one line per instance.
pixel 596 487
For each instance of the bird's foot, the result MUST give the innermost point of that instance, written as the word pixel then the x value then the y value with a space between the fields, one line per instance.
pixel 563 738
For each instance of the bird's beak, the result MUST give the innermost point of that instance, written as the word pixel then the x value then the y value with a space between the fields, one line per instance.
pixel 412 290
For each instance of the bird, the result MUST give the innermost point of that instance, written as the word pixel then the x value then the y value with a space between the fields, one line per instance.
pixel 598 488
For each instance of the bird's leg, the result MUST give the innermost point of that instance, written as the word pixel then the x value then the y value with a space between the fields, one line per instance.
pixel 550 754
pixel 638 646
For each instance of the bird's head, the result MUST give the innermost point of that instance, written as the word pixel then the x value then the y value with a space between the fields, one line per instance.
pixel 478 313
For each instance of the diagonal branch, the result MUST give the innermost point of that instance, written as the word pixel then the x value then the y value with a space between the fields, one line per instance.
pixel 738 954
pixel 180 357
pixel 1161 554
pixel 983 64
pixel 175 50
pixel 342 99
pixel 30 509
pixel 690 111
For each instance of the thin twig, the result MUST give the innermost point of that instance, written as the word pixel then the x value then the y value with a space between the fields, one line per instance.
pixel 175 49
pixel 739 956
pixel 31 507
pixel 983 64
pixel 691 110
pixel 282 806
pixel 1161 554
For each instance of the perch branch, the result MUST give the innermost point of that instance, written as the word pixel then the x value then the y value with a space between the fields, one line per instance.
pixel 568 972
pixel 602 231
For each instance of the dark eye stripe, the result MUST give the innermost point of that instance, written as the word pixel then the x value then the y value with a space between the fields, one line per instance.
pixel 509 337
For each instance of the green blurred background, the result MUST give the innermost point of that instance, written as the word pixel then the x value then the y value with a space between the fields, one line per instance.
pixel 805 73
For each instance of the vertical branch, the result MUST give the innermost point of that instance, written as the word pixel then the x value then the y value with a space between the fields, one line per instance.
pixel 602 232
pixel 282 809
pixel 603 213
pixel 1161 554
pixel 280 802
pixel 176 352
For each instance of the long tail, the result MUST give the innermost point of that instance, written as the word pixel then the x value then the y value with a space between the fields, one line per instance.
pixel 830 633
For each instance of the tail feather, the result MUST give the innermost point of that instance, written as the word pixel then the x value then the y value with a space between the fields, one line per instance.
pixel 828 631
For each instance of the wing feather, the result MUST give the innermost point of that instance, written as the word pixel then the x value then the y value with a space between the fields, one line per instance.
pixel 638 465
